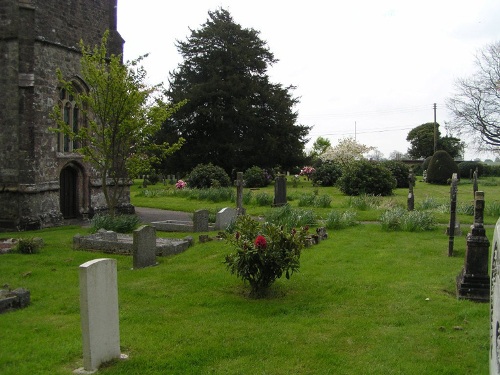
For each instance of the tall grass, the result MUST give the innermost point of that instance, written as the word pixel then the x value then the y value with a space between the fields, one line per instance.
pixel 289 217
pixel 399 219
pixel 340 220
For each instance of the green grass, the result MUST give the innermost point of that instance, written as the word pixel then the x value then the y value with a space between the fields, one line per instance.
pixel 364 302
pixel 435 198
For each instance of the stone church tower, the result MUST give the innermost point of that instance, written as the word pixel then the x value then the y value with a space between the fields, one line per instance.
pixel 42 179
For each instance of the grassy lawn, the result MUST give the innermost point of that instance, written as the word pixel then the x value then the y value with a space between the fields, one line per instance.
pixel 364 302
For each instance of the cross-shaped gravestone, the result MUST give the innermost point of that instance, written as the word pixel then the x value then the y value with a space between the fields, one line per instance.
pixel 239 183
pixel 474 184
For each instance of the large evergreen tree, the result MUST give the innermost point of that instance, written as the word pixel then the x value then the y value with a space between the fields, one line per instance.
pixel 235 117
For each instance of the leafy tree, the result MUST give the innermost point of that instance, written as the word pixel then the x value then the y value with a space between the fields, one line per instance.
pixel 475 104
pixel 345 152
pixel 122 114
pixel 320 145
pixel 421 139
pixel 235 117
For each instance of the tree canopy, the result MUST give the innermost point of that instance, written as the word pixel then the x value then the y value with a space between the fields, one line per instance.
pixel 122 114
pixel 421 139
pixel 235 117
pixel 346 152
pixel 475 104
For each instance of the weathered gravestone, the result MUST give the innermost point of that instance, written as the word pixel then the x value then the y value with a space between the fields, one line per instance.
pixel 280 191
pixel 411 196
pixel 473 282
pixel 200 221
pixel 225 217
pixel 495 303
pixel 99 314
pixel 452 229
pixel 239 183
pixel 474 182
pixel 144 247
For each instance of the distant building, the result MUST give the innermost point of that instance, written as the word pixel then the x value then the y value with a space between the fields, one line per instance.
pixel 42 179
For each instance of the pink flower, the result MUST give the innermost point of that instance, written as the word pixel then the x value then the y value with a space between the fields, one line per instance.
pixel 180 184
pixel 260 242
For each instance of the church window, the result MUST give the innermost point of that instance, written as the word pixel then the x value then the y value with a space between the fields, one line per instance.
pixel 72 117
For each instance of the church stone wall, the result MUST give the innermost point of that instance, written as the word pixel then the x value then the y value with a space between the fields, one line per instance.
pixel 40 36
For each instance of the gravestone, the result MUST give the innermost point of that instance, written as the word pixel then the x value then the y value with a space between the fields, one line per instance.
pixel 200 221
pixel 495 303
pixel 473 282
pixel 280 191
pixel 453 213
pixel 411 197
pixel 225 217
pixel 474 182
pixel 99 313
pixel 239 183
pixel 144 247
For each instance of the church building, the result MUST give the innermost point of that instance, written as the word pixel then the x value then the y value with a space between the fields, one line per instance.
pixel 43 180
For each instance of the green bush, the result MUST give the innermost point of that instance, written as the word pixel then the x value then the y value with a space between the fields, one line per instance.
pixel 400 171
pixel 256 177
pixel 365 177
pixel 441 168
pixel 425 164
pixel 466 168
pixel 399 219
pixel 326 174
pixel 204 176
pixel 264 252
pixel 118 223
pixel 340 220
pixel 31 245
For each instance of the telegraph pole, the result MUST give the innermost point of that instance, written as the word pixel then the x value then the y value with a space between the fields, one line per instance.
pixel 435 130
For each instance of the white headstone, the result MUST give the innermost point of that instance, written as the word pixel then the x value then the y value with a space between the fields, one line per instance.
pixel 495 303
pixel 99 313
pixel 225 217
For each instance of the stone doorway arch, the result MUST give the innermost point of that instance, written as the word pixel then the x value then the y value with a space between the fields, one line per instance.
pixel 72 191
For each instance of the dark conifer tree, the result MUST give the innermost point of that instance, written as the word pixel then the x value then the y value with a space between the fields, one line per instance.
pixel 235 117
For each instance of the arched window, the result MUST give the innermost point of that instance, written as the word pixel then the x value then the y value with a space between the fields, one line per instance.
pixel 72 116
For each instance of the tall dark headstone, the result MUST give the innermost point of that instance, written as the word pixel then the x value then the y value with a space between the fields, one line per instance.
pixel 474 182
pixel 280 191
pixel 473 282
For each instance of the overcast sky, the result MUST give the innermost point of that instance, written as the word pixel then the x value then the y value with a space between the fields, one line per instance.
pixel 365 69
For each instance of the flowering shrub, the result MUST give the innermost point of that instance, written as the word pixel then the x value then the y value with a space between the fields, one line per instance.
pixel 180 184
pixel 264 252
pixel 307 171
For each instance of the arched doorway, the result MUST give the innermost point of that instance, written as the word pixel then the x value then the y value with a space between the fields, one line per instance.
pixel 68 192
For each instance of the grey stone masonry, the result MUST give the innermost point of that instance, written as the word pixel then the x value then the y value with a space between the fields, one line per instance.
pixel 144 247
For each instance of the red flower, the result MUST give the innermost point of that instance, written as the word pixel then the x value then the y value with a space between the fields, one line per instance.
pixel 260 242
